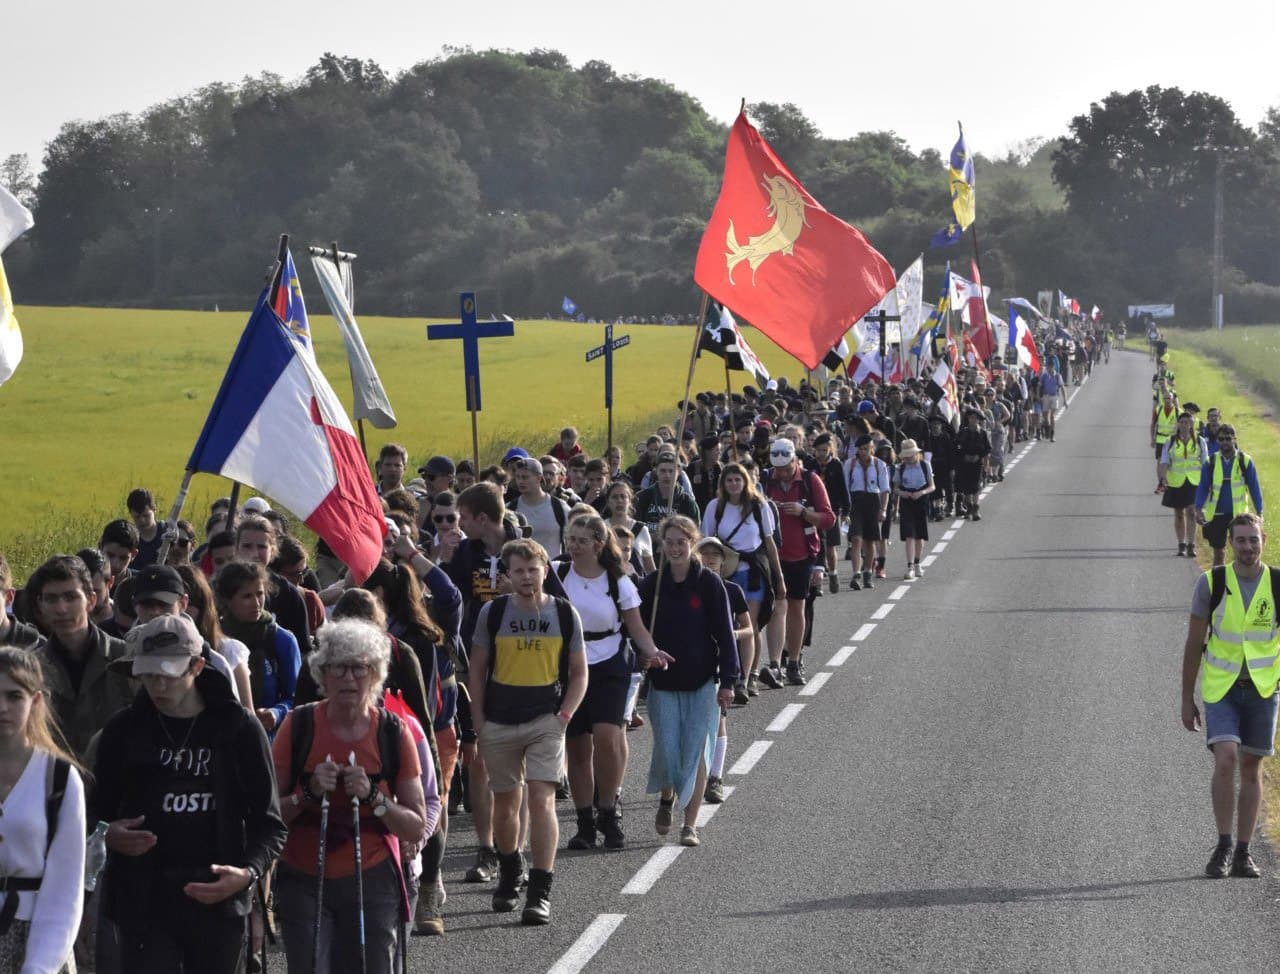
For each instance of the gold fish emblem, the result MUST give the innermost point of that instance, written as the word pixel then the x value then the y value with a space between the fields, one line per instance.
pixel 786 206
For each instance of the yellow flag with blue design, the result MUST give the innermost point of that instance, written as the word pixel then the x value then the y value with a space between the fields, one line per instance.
pixel 961 178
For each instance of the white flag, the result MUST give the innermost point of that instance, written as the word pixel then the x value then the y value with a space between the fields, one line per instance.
pixel 910 291
pixel 10 336
pixel 15 219
pixel 368 398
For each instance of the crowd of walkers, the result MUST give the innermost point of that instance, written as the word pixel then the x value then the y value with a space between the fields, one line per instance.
pixel 256 744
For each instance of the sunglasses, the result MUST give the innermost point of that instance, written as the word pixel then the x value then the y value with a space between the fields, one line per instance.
pixel 444 518
pixel 780 453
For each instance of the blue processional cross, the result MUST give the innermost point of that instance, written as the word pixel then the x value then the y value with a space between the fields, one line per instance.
pixel 607 349
pixel 470 331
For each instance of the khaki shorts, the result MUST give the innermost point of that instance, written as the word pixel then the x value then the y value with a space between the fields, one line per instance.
pixel 514 752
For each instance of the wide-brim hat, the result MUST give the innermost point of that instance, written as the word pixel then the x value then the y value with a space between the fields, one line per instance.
pixel 731 558
pixel 908 449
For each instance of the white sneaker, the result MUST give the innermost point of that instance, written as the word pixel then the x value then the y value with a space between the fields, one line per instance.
pixel 919 571
pixel 909 575
pixel 444 895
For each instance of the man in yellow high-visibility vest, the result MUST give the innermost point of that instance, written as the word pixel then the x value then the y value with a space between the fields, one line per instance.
pixel 1232 631
pixel 1164 422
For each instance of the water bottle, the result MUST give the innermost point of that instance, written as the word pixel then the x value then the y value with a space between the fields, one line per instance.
pixel 95 856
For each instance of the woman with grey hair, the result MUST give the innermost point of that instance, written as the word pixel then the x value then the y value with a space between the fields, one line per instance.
pixel 346 747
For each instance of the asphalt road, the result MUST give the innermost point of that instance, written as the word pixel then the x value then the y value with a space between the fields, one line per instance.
pixel 994 779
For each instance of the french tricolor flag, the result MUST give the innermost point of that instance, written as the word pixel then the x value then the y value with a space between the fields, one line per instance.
pixel 1020 337
pixel 277 427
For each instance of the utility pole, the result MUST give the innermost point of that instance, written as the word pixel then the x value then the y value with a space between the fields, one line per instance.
pixel 1215 299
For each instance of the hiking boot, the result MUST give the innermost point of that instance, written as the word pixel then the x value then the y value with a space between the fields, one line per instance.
pixel 609 821
pixel 486 866
pixel 853 584
pixel 428 921
pixel 769 678
pixel 689 837
pixel 662 821
pixel 753 686
pixel 740 695
pixel 537 904
pixel 975 516
pixel 833 583
pixel 506 896
pixel 714 794
pixel 585 838
pixel 1191 551
pixel 794 677
pixel 866 581
pixel 1219 863
pixel 1182 549
pixel 1243 866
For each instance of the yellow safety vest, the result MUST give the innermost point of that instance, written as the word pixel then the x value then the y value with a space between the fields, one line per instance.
pixel 1166 424
pixel 1240 637
pixel 1184 462
pixel 1239 489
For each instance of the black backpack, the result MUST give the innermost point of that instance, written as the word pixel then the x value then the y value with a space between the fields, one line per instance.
pixel 303 724
pixel 562 572
pixel 564 615
pixel 1218 588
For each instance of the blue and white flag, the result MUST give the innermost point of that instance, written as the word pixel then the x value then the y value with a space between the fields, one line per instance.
pixel 568 307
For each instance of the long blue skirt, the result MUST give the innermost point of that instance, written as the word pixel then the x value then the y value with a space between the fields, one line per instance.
pixel 684 733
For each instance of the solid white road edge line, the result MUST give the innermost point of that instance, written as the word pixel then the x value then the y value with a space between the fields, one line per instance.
pixel 751 755
pixel 785 716
pixel 816 683
pixel 585 947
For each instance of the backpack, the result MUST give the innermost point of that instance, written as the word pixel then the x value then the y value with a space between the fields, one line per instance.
pixel 303 724
pixel 564 615
pixel 55 789
pixel 562 572
pixel 755 512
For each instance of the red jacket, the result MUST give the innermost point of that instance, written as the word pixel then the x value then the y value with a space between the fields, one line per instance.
pixel 801 539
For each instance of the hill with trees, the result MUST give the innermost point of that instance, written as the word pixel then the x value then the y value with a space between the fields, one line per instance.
pixel 525 178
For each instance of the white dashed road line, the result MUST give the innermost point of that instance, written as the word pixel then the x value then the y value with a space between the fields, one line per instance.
pixel 939 548
pixel 842 655
pixel 816 683
pixel 754 753
pixel 948 535
pixel 957 524
pixel 864 630
pixel 899 592
pixel 883 611
pixel 652 871
pixel 785 716
pixel 928 560
pixel 585 947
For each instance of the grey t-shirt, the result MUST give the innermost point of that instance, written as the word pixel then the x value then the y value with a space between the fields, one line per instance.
pixel 524 670
pixel 1200 597
pixel 542 519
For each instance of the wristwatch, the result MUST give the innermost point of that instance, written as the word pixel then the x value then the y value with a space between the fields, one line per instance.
pixel 380 805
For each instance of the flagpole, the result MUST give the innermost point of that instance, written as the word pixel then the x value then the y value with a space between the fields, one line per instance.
pixel 174 513
pixel 728 404
pixel 336 254
pixel 684 419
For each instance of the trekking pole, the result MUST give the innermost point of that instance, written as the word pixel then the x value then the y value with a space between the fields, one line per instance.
pixel 355 815
pixel 324 830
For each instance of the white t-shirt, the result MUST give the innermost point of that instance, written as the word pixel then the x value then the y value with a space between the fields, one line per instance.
pixel 542 519
pixel 590 596
pixel 746 538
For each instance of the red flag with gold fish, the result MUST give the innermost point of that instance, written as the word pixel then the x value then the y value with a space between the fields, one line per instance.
pixel 773 255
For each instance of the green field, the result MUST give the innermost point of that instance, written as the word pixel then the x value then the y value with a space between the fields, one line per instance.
pixel 1250 352
pixel 107 400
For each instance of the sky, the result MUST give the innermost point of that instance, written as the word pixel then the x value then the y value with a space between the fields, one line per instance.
pixel 1009 70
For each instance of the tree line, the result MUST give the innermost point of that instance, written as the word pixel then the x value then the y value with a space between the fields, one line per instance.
pixel 526 179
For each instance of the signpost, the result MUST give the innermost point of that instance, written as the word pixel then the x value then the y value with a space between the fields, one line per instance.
pixel 470 332
pixel 607 350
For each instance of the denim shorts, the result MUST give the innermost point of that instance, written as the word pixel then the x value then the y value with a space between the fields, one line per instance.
pixel 740 577
pixel 1243 716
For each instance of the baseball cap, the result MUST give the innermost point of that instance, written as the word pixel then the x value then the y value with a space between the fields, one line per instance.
pixel 771 385
pixel 158 583
pixel 438 466
pixel 515 451
pixel 256 505
pixel 529 463
pixel 166 646
pixel 866 406
pixel 782 452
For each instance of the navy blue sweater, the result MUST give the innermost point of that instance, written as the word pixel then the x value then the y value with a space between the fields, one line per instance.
pixel 694 626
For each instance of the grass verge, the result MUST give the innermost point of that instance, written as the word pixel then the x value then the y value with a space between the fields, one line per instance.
pixel 1224 377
